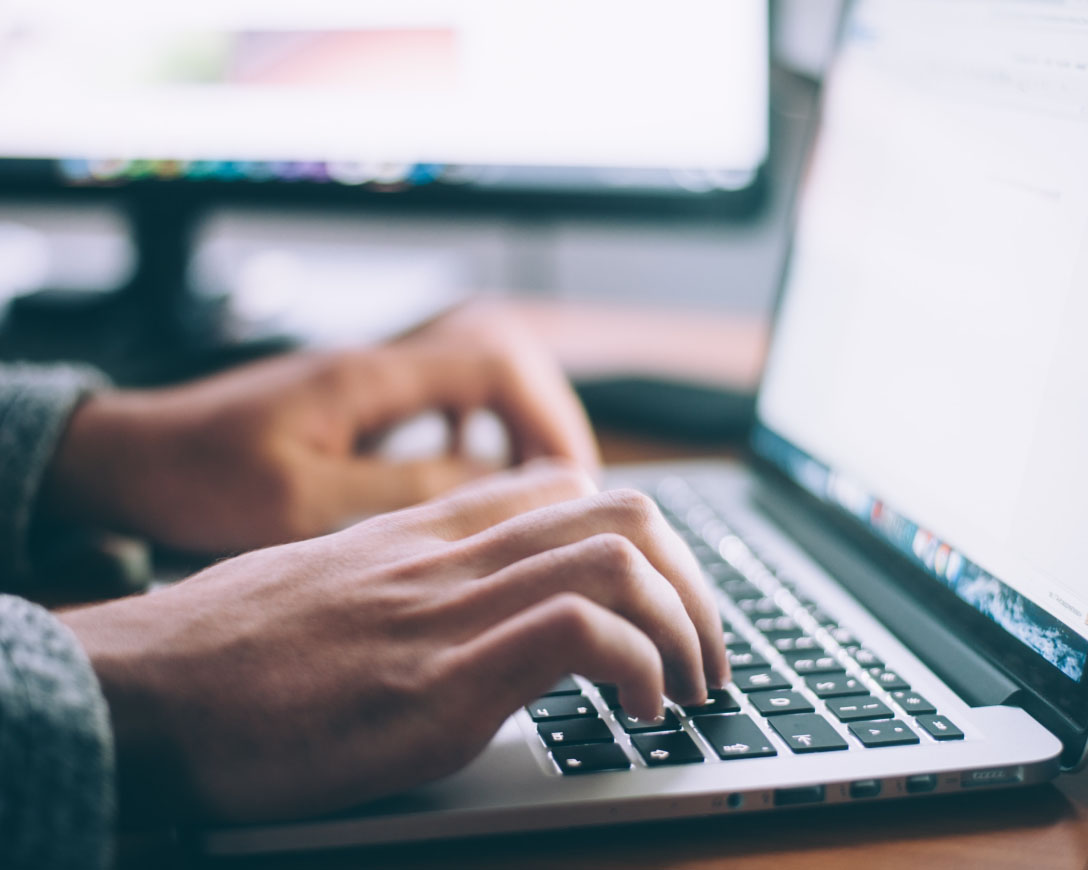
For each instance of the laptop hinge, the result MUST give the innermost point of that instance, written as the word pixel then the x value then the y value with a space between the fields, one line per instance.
pixel 975 679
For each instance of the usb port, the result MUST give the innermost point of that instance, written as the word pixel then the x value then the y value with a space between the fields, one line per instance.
pixel 920 783
pixel 865 788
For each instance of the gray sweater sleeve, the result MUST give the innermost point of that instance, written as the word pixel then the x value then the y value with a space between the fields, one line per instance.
pixel 56 750
pixel 35 404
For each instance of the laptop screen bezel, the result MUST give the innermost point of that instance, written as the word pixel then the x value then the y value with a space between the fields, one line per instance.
pixel 1058 701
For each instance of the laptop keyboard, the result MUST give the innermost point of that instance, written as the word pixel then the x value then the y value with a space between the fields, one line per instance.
pixel 798 674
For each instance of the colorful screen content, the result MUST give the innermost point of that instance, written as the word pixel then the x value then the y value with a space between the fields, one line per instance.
pixel 389 91
pixel 929 365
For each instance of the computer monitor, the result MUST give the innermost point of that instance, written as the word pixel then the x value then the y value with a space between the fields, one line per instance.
pixel 443 97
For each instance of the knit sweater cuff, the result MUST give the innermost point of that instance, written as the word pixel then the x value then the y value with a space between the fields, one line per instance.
pixel 57 800
pixel 35 405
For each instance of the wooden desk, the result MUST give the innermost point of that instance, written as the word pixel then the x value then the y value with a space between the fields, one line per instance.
pixel 1044 827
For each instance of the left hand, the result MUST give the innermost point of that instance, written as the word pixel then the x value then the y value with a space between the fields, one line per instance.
pixel 275 451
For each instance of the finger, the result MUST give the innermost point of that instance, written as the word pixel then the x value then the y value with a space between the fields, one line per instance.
pixel 485 503
pixel 625 512
pixel 610 571
pixel 363 486
pixel 503 369
pixel 521 658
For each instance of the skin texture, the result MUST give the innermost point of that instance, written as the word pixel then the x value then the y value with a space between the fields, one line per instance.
pixel 315 675
pixel 281 450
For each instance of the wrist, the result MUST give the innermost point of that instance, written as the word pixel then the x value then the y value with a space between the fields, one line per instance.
pixel 99 463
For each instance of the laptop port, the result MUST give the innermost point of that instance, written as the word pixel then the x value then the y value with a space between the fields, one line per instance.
pixel 808 794
pixel 920 783
pixel 993 776
pixel 865 788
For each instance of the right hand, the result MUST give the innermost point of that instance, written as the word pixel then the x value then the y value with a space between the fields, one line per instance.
pixel 314 676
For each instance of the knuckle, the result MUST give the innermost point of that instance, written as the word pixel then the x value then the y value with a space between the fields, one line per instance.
pixel 574 620
pixel 634 508
pixel 565 476
pixel 613 555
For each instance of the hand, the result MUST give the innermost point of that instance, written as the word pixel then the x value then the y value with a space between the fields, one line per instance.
pixel 313 676
pixel 274 451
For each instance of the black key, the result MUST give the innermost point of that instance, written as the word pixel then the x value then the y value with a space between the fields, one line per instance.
pixel 808 732
pixel 805 643
pixel 734 736
pixel 610 694
pixel 777 703
pixel 913 703
pixel 561 707
pixel 562 732
pixel 591 758
pixel 753 680
pixel 888 679
pixel 660 749
pixel 891 732
pixel 565 686
pixel 777 627
pixel 855 709
pixel 806 664
pixel 718 701
pixel 739 589
pixel 634 725
pixel 835 685
pixel 740 646
pixel 865 657
pixel 729 636
pixel 940 727
pixel 746 659
pixel 760 607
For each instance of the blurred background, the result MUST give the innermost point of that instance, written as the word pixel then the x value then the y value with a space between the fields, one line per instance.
pixel 187 187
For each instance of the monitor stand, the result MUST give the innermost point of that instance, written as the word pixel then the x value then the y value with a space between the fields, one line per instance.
pixel 152 330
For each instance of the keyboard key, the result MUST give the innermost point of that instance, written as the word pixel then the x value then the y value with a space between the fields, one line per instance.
pixel 634 725
pixel 844 637
pixel 565 686
pixel 746 659
pixel 777 703
pixel 864 657
pixel 661 749
pixel 940 727
pixel 591 758
pixel 888 733
pixel 805 643
pixel 806 664
pixel 739 589
pixel 735 736
pixel 835 685
pixel 913 703
pixel 808 732
pixel 610 694
pixel 563 732
pixel 855 709
pixel 718 701
pixel 888 679
pixel 754 608
pixel 775 627
pixel 561 707
pixel 754 680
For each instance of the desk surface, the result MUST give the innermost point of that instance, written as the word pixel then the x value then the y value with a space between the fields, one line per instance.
pixel 1041 827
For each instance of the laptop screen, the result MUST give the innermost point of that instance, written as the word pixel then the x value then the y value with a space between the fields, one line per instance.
pixel 929 372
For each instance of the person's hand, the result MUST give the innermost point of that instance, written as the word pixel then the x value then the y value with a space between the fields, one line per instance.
pixel 316 675
pixel 281 450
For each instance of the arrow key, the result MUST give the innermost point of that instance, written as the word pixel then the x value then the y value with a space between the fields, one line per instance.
pixel 807 732
pixel 660 749
pixel 890 732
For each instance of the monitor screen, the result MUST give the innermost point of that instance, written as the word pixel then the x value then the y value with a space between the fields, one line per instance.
pixel 537 93
pixel 930 365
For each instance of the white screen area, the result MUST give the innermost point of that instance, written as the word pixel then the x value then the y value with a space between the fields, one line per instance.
pixel 606 83
pixel 933 339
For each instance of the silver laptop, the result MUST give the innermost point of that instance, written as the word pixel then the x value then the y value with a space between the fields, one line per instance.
pixel 901 568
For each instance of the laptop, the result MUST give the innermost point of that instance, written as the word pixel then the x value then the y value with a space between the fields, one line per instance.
pixel 900 565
